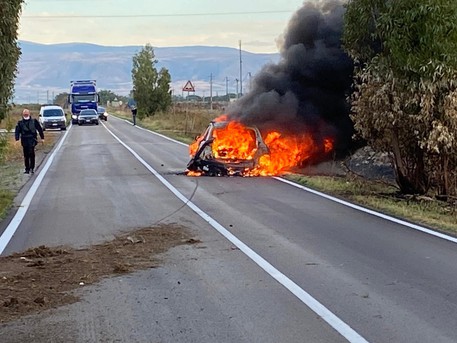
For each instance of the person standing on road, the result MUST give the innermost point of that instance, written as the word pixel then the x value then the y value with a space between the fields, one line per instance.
pixel 26 130
pixel 134 111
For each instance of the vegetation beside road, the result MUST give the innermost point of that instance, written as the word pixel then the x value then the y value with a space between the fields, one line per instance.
pixel 11 158
pixel 385 198
pixel 182 122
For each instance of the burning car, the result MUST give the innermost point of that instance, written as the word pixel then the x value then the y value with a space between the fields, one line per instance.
pixel 218 152
pixel 230 148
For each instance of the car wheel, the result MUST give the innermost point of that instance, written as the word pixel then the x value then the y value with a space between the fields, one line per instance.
pixel 63 128
pixel 96 123
pixel 79 124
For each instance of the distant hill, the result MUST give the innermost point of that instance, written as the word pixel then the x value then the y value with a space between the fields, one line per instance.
pixel 46 70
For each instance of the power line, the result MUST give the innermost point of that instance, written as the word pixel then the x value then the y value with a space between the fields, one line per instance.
pixel 152 15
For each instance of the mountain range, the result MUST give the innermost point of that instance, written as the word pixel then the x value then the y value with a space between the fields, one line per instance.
pixel 45 70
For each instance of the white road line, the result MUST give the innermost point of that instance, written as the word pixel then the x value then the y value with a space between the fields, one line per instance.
pixel 344 329
pixel 348 204
pixel 20 214
pixel 374 213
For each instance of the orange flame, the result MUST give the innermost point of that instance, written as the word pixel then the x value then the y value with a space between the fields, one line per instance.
pixel 234 142
pixel 286 152
pixel 237 142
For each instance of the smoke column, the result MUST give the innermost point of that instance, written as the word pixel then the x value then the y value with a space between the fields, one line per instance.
pixel 307 89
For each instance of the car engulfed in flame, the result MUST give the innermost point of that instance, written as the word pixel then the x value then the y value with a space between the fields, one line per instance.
pixel 220 152
pixel 228 148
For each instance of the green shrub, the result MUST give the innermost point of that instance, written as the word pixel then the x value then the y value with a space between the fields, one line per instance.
pixel 3 146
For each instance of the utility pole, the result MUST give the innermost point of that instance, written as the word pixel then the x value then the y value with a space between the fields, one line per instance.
pixel 237 88
pixel 250 81
pixel 241 73
pixel 211 92
pixel 226 88
pixel 47 96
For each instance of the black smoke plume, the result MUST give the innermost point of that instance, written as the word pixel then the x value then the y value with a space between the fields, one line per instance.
pixel 308 88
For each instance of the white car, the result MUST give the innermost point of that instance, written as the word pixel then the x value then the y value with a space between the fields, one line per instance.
pixel 52 117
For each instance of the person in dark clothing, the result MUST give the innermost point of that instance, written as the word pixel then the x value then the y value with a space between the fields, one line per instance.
pixel 26 130
pixel 134 111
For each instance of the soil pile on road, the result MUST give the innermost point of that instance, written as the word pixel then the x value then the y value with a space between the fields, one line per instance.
pixel 42 277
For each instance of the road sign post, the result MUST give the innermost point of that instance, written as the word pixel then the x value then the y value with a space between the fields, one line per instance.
pixel 188 87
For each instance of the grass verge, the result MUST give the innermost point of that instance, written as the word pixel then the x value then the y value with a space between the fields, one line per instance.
pixel 12 166
pixel 385 198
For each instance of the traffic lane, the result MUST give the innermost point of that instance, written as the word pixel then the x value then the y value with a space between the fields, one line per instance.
pixel 167 156
pixel 210 292
pixel 381 278
pixel 338 238
pixel 278 299
pixel 373 273
pixel 93 189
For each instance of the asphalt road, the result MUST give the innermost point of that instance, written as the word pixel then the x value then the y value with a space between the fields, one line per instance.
pixel 368 279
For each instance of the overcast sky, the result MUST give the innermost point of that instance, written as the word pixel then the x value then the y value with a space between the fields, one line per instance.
pixel 257 23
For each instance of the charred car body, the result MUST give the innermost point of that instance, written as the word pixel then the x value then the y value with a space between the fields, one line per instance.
pixel 213 155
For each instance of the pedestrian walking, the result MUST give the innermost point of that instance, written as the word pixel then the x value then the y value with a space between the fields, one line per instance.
pixel 134 111
pixel 27 130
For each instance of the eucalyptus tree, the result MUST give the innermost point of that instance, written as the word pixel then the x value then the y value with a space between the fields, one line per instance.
pixel 10 11
pixel 405 94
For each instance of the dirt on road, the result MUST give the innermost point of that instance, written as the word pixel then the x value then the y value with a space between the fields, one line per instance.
pixel 43 277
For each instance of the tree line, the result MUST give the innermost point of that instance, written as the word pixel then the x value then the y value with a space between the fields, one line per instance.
pixel 405 87
pixel 10 11
pixel 404 99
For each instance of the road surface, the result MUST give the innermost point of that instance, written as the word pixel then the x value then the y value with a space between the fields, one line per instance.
pixel 276 264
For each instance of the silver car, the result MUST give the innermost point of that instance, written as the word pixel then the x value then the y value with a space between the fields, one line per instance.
pixel 88 116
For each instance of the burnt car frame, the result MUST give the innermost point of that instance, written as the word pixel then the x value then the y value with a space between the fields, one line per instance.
pixel 206 163
pixel 88 116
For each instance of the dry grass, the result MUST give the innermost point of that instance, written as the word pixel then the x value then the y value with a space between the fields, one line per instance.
pixel 180 123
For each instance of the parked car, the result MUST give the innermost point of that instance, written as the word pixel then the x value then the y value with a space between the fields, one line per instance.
pixel 89 116
pixel 102 114
pixel 218 161
pixel 52 117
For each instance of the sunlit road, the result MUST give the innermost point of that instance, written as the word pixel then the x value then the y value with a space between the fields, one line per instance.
pixel 381 281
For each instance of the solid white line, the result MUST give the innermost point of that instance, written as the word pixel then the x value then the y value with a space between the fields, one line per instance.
pixel 20 214
pixel 344 329
pixel 374 213
pixel 348 204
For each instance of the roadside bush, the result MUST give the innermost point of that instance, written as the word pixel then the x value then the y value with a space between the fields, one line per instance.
pixel 3 146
